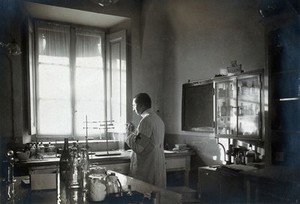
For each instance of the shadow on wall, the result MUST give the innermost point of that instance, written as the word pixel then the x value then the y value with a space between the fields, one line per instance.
pixel 207 151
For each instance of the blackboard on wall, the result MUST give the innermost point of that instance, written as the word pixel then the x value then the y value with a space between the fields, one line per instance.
pixel 197 106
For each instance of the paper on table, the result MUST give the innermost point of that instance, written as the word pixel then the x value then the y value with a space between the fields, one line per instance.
pixel 240 167
pixel 168 151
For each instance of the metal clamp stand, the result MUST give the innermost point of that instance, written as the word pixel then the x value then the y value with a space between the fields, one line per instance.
pixel 10 175
pixel 106 125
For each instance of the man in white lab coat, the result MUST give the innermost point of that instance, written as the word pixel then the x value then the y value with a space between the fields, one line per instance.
pixel 146 142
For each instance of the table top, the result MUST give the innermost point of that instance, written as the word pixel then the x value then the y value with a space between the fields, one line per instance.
pixel 24 193
pixel 273 173
pixel 113 157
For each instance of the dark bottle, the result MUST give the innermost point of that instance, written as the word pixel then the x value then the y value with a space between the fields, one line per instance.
pixel 231 91
pixel 74 175
pixel 64 163
pixel 84 164
pixel 223 109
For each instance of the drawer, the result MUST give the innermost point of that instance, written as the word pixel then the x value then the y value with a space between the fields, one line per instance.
pixel 43 177
pixel 43 181
pixel 175 163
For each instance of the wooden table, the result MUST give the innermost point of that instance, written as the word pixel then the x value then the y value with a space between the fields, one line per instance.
pixel 23 193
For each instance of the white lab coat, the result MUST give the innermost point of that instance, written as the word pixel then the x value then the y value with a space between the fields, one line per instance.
pixel 148 159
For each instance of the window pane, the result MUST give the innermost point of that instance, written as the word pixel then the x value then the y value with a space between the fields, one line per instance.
pixel 53 40
pixel 55 117
pixel 89 83
pixel 54 82
pixel 94 112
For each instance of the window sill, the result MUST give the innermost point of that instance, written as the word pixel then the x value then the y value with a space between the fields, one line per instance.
pixel 80 141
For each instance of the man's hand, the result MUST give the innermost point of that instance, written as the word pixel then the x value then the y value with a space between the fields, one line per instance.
pixel 130 128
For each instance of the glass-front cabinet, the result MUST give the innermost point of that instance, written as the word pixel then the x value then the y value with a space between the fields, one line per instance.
pixel 238 105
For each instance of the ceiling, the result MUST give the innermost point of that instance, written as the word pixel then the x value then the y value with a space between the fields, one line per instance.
pixel 54 13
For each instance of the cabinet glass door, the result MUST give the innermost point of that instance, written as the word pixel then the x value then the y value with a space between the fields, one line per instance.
pixel 249 106
pixel 226 108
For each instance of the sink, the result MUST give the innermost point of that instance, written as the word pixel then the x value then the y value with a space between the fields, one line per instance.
pixel 101 154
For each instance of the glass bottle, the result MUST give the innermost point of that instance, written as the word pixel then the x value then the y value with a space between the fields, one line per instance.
pixel 41 148
pixel 250 155
pixel 241 109
pixel 223 109
pixel 74 169
pixel 253 91
pixel 231 91
pixel 84 169
pixel 64 167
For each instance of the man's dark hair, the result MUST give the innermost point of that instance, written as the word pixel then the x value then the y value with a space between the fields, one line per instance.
pixel 143 99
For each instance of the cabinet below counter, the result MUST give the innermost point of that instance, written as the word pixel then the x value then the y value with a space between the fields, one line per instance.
pixel 273 184
pixel 247 184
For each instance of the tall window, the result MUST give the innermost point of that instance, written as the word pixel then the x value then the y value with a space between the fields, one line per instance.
pixel 73 82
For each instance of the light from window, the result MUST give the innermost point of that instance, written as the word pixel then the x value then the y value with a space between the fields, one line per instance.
pixel 72 82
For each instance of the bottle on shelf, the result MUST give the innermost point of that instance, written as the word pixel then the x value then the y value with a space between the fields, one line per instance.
pixel 253 88
pixel 231 91
pixel 240 130
pixel 221 92
pixel 256 109
pixel 239 89
pixel 250 155
pixel 251 109
pixel 241 109
pixel 244 88
pixel 223 109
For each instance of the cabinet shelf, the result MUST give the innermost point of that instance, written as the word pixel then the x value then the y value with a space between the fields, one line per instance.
pixel 241 116
pixel 241 137
pixel 284 71
pixel 289 99
pixel 248 116
pixel 249 97
pixel 285 131
pixel 236 115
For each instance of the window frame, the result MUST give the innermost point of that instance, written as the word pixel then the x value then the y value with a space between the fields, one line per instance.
pixel 33 117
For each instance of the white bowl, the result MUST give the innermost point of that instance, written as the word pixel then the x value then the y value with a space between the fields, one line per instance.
pixel 23 156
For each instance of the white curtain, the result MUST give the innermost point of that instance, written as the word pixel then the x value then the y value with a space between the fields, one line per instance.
pixel 54 112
